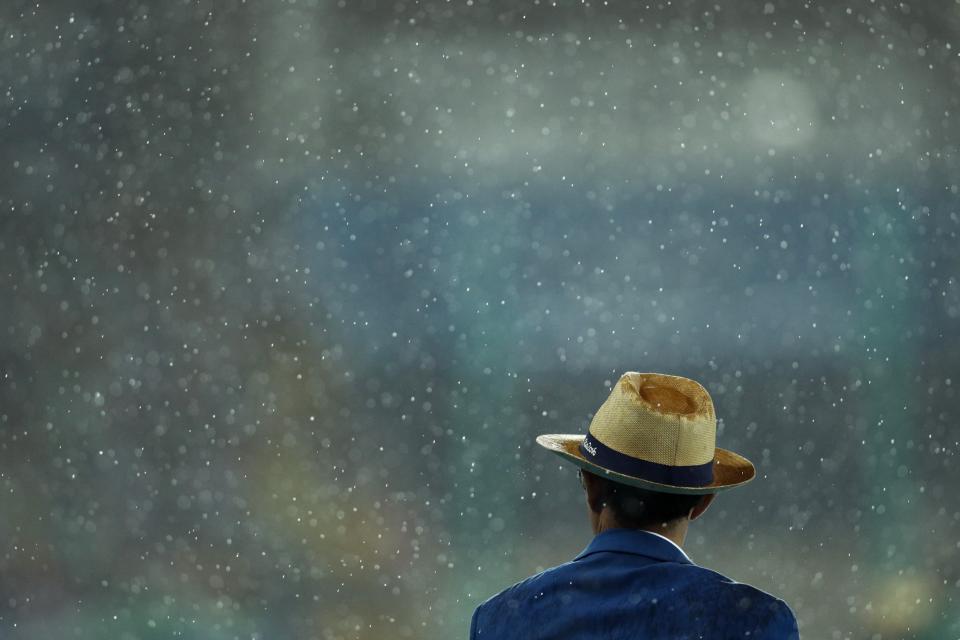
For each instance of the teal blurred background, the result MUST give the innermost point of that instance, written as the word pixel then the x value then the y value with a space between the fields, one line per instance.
pixel 287 289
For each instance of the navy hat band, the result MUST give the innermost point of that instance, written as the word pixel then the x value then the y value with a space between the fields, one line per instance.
pixel 698 475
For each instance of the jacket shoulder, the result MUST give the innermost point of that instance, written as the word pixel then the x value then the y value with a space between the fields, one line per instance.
pixel 769 616
pixel 529 587
pixel 519 594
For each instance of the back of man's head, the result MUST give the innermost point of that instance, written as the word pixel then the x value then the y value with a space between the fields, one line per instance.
pixel 635 508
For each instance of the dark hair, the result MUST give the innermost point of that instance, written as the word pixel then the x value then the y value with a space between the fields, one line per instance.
pixel 636 508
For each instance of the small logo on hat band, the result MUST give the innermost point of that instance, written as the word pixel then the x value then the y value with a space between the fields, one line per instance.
pixel 589 447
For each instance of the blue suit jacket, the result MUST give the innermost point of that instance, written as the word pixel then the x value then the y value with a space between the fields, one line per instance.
pixel 631 584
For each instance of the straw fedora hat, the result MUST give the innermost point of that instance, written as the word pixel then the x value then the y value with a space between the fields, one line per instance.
pixel 656 432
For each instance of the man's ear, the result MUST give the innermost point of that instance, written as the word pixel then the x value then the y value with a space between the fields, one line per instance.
pixel 594 490
pixel 701 506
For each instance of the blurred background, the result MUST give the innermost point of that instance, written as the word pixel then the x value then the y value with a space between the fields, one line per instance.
pixel 287 289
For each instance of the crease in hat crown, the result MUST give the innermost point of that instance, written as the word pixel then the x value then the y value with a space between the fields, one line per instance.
pixel 668 420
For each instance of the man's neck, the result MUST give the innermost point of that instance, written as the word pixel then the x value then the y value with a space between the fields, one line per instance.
pixel 675 531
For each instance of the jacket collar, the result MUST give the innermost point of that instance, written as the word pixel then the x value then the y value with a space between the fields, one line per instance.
pixel 637 542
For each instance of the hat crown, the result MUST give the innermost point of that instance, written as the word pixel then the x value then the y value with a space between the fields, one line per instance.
pixel 667 420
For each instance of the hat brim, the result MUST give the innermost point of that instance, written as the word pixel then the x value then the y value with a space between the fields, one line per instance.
pixel 729 469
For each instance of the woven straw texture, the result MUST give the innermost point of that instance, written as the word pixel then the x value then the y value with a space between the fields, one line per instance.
pixel 659 418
